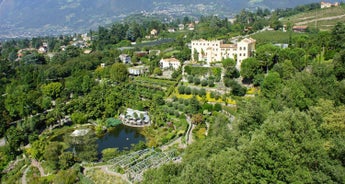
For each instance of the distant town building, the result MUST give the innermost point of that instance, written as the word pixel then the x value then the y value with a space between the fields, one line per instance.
pixel 126 59
pixel 154 32
pixel 216 50
pixel 181 27
pixel 87 51
pixel 191 27
pixel 328 4
pixel 140 53
pixel 171 30
pixel 42 50
pixel 170 63
pixel 282 45
pixel 299 29
pixel 85 37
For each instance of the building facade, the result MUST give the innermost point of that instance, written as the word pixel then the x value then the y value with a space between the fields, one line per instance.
pixel 170 63
pixel 126 59
pixel 216 50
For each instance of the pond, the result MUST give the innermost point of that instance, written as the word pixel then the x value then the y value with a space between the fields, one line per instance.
pixel 120 137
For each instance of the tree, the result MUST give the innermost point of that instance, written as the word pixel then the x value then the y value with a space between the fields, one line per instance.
pixel 194 104
pixel 204 82
pixel 228 63
pixel 267 55
pixel 181 89
pixel 119 72
pixel 158 71
pixel 339 65
pixel 232 72
pixel 337 36
pixel 78 118
pixel 249 68
pixel 197 119
pixel 52 90
pixel 66 160
pixel 16 101
pixel 271 85
pixel 52 154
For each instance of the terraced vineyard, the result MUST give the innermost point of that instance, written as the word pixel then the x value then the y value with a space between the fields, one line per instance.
pixel 323 19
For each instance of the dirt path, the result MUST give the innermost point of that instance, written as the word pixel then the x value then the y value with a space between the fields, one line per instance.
pixel 2 142
pixel 320 19
pixel 24 181
pixel 36 164
pixel 189 138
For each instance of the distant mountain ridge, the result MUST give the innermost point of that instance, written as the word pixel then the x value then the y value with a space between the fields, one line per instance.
pixel 20 18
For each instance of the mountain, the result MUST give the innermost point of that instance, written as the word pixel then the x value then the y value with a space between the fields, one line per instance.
pixel 20 18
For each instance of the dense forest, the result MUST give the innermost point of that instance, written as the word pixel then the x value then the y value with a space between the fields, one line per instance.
pixel 291 129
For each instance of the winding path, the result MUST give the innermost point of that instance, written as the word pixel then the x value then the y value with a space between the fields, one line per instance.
pixel 24 181
pixel 37 164
pixel 189 138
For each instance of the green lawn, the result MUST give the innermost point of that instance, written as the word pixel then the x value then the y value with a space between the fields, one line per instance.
pixel 274 37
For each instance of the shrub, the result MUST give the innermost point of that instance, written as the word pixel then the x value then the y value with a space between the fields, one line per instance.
pixel 217 107
pixel 208 107
pixel 211 83
pixel 195 91
pixel 188 91
pixel 181 107
pixel 202 92
pixel 212 94
pixel 190 79
pixel 196 81
pixel 181 89
pixel 169 104
pixel 204 82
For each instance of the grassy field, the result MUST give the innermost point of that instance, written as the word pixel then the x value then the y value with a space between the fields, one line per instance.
pixel 324 19
pixel 98 176
pixel 274 37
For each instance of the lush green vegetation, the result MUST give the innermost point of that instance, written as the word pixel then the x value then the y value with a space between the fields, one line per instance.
pixel 276 120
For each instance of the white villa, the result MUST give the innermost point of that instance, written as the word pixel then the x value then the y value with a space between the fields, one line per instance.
pixel 170 63
pixel 138 70
pixel 328 4
pixel 126 59
pixel 216 50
